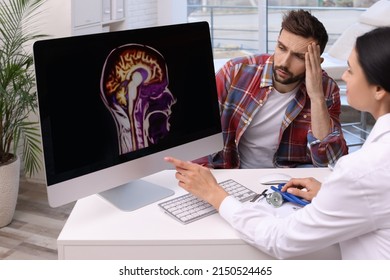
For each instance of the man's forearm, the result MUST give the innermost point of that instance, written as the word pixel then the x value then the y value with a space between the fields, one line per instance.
pixel 320 119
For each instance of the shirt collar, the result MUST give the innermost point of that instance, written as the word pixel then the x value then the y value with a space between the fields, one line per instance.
pixel 266 76
pixel 382 126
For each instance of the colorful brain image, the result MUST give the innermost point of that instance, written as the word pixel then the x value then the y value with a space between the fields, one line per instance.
pixel 134 87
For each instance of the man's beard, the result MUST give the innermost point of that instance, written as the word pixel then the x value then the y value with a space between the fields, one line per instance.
pixel 291 78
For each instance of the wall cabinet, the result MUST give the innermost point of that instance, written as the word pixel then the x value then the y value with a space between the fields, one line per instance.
pixel 113 10
pixel 95 16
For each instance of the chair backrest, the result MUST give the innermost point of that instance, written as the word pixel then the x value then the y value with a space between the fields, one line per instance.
pixel 335 59
pixel 377 15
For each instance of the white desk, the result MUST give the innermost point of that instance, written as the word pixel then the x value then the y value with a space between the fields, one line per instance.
pixel 97 230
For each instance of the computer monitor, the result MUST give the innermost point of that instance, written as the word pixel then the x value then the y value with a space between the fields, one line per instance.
pixel 112 105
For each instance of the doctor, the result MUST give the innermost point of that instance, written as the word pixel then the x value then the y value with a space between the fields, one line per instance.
pixel 351 207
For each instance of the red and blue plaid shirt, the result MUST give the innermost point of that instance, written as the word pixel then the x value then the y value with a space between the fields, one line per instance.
pixel 243 85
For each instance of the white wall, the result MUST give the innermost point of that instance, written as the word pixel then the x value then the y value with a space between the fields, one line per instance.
pixel 140 13
pixel 172 11
pixel 56 18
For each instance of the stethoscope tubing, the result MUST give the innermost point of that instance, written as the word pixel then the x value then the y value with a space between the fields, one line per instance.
pixel 289 197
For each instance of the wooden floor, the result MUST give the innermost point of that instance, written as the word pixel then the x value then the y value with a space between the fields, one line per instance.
pixel 34 230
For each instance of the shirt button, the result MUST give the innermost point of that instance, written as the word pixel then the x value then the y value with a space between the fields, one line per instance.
pixel 304 116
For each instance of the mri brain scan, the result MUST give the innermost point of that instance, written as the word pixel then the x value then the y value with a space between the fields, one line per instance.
pixel 134 88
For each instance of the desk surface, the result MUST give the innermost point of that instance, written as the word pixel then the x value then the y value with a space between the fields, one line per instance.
pixel 97 230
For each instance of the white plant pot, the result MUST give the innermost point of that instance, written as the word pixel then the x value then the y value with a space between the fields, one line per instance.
pixel 9 189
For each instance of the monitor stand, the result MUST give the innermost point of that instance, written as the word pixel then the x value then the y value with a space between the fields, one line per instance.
pixel 135 194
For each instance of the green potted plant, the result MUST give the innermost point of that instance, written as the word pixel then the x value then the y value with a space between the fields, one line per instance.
pixel 18 100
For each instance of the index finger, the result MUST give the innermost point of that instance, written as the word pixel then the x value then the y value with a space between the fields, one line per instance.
pixel 177 162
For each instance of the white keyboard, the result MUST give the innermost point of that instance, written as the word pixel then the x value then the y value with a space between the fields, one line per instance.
pixel 188 208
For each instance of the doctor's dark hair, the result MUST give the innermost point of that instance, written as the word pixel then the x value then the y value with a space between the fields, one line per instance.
pixel 373 51
pixel 304 24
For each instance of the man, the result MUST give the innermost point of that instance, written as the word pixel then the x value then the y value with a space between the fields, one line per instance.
pixel 350 207
pixel 280 110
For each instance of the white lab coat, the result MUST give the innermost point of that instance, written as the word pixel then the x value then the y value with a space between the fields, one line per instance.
pixel 352 209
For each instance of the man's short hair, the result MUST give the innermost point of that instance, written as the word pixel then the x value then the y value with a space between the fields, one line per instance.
pixel 304 24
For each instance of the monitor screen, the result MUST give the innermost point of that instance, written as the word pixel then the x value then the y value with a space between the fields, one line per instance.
pixel 112 105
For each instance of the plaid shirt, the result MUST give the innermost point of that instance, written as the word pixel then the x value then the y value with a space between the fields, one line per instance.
pixel 243 85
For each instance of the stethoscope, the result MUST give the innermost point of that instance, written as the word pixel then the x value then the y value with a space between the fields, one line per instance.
pixel 277 197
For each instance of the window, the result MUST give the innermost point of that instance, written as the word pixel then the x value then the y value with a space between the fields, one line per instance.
pixel 245 26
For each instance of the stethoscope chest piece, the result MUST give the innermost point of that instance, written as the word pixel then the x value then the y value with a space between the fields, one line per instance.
pixel 275 199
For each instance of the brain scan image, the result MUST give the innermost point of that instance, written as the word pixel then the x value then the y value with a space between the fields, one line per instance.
pixel 134 88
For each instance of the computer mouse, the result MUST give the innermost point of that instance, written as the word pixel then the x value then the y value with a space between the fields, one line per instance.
pixel 274 178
